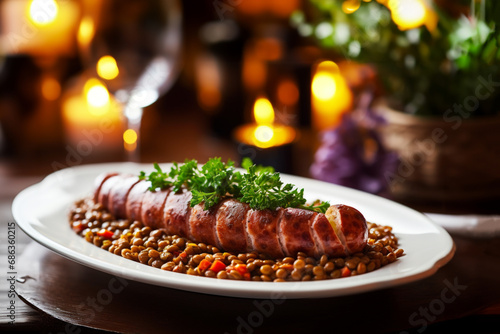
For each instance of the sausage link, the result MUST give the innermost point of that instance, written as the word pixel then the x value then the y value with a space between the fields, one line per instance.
pixel 233 226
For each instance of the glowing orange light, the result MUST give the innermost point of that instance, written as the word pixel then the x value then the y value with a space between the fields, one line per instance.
pixel 86 31
pixel 268 48
pixel 287 92
pixel 264 117
pixel 323 85
pixel 408 14
pixel 107 68
pixel 43 12
pixel 97 96
pixel 263 111
pixel 265 133
pixel 130 136
pixel 350 6
pixel 89 110
pixel 209 82
pixel 278 8
pixel 331 96
pixel 130 140
pixel 51 88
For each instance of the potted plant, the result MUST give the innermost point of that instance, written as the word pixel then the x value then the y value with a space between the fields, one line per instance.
pixel 438 71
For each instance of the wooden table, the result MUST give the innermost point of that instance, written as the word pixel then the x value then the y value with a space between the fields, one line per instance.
pixel 63 296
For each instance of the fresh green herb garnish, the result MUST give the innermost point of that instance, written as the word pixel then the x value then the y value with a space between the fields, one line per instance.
pixel 260 187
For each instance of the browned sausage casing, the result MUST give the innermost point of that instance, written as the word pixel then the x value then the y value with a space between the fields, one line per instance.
pixel 232 225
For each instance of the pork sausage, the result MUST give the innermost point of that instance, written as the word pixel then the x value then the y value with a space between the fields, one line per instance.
pixel 232 225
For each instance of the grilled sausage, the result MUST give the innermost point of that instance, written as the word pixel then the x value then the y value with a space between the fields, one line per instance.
pixel 232 225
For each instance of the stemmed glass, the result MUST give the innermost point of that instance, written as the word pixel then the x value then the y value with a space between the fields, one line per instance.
pixel 134 46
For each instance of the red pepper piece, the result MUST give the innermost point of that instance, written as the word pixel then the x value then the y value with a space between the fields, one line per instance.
pixel 78 226
pixel 241 268
pixel 217 266
pixel 204 264
pixel 107 234
pixel 345 272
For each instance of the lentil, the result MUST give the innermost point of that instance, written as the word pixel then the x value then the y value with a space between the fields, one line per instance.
pixel 136 242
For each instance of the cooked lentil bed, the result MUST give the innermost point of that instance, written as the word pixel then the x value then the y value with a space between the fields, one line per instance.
pixel 134 241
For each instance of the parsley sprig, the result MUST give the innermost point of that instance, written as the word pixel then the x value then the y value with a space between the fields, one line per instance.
pixel 260 187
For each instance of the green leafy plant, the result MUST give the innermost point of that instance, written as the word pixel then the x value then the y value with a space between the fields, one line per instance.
pixel 424 70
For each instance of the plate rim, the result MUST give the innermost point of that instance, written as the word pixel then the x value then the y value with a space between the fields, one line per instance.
pixel 221 287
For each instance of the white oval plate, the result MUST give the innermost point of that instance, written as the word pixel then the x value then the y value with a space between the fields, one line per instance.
pixel 42 212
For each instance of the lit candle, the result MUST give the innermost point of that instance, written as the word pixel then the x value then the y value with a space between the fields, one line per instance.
pixel 38 27
pixel 265 141
pixel 330 96
pixel 92 119
pixel 264 133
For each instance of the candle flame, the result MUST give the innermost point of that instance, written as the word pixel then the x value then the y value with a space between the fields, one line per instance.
pixel 263 111
pixel 263 134
pixel 107 68
pixel 43 12
pixel 97 96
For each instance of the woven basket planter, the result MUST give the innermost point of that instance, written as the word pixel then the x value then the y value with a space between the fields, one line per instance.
pixel 445 159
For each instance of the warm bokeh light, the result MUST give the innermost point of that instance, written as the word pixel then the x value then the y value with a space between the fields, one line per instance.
pixel 43 12
pixel 283 8
pixel 107 68
pixel 39 28
pixel 130 140
pixel 208 82
pixel 97 96
pixel 408 14
pixel 263 134
pixel 86 31
pixel 330 95
pixel 268 49
pixel 254 73
pixel 323 85
pixel 263 111
pixel 51 89
pixel 278 8
pixel 130 137
pixel 350 6
pixel 102 126
pixel 287 92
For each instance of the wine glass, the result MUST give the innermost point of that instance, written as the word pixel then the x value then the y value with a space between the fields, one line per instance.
pixel 134 46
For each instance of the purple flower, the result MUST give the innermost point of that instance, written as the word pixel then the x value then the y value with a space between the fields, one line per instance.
pixel 353 155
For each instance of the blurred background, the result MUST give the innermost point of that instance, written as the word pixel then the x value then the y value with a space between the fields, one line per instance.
pixel 394 97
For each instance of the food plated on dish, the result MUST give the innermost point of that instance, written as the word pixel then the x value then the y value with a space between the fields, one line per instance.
pixel 41 211
pixel 215 221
